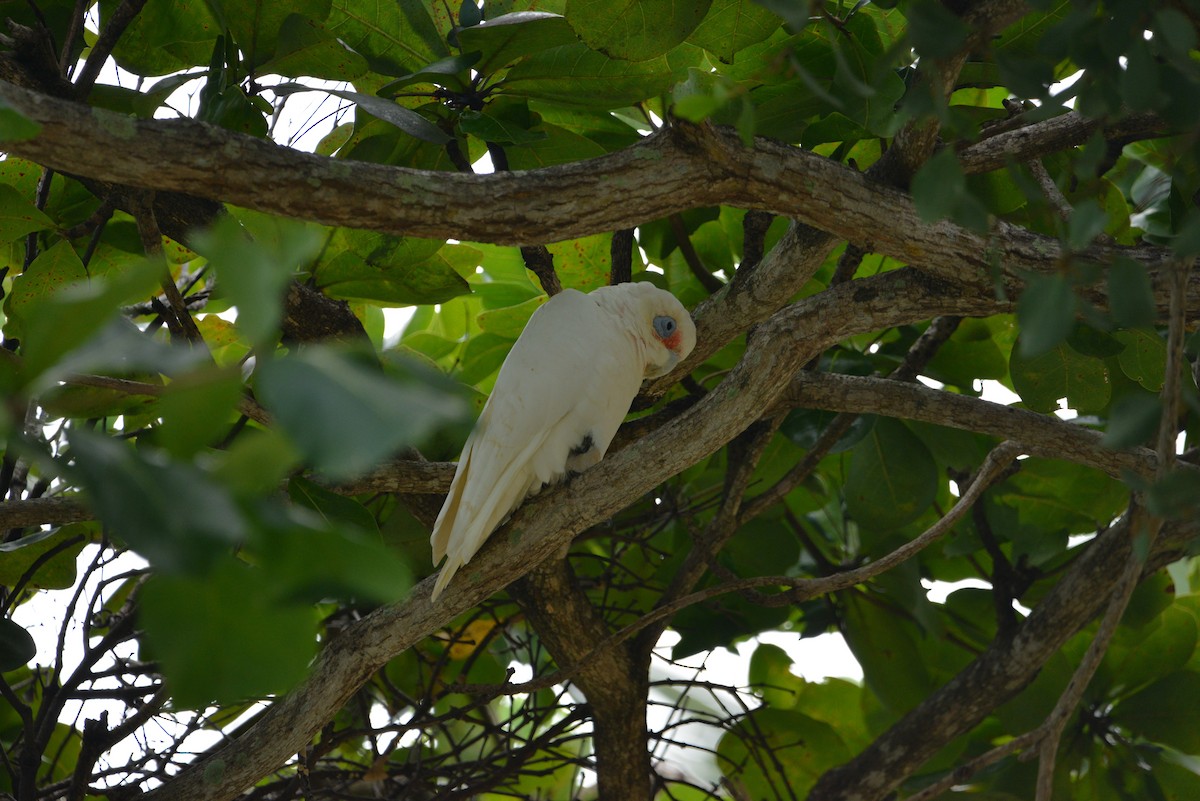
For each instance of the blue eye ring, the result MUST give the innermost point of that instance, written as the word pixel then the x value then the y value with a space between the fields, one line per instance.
pixel 665 326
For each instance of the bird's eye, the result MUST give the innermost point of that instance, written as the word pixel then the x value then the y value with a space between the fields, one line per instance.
pixel 664 326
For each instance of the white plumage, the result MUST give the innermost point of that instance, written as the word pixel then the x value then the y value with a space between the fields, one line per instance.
pixel 561 395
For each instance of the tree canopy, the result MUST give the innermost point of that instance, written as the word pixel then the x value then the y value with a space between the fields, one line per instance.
pixel 874 210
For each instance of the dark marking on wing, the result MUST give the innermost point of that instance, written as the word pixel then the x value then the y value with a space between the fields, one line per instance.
pixel 585 445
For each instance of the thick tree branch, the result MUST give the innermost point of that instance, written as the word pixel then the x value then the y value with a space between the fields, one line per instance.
pixel 694 166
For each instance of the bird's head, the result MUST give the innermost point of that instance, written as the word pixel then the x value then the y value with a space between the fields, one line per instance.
pixel 658 320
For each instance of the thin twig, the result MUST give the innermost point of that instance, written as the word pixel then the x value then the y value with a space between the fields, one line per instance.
pixel 104 45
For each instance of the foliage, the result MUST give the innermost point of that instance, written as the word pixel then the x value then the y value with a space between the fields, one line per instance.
pixel 242 457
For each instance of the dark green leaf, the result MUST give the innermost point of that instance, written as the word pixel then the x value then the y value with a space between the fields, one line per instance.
pixel 890 649
pixel 733 25
pixel 58 572
pixel 255 266
pixel 801 748
pixel 936 31
pixel 573 75
pixel 509 37
pixel 17 647
pixel 139 495
pixel 1144 358
pixel 1087 221
pixel 1130 295
pixel 491 127
pixel 635 31
pixel 305 48
pixel 1133 421
pixel 892 477
pixel 347 418
pixel 395 38
pixel 221 639
pixel 1061 372
pixel 1160 712
pixel 1046 313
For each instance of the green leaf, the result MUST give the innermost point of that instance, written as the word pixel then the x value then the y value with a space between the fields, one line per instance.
pixel 197 409
pixel 936 31
pixel 165 36
pixel 483 356
pixel 138 495
pixel 1088 220
pixel 772 678
pixel 347 418
pixel 258 26
pixel 939 191
pixel 17 647
pixel 1050 495
pixel 254 269
pixel 892 479
pixel 1164 712
pixel 18 216
pixel 509 321
pixel 801 749
pixel 1046 314
pixel 1061 372
pixel 1130 295
pixel 58 573
pixel 509 37
pixel 890 650
pixel 1133 421
pixel 452 72
pixel 491 126
pixel 733 25
pixel 395 38
pixel 583 263
pixel 1144 358
pixel 304 47
pixel 311 565
pixel 221 639
pixel 58 312
pixel 574 75
pixel 391 270
pixel 635 30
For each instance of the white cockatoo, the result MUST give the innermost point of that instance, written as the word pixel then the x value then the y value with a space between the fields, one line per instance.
pixel 561 395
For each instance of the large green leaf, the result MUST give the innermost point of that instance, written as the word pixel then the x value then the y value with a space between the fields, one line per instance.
pixel 732 25
pixel 802 748
pixel 635 30
pixel 17 647
pixel 1061 372
pixel 396 38
pixel 259 25
pixel 17 215
pixel 892 479
pixel 1050 495
pixel 305 47
pixel 509 37
pixel 391 270
pixel 138 495
pixel 347 418
pixel 575 75
pixel 165 36
pixel 255 263
pixel 890 649
pixel 1160 712
pixel 54 552
pixel 221 639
